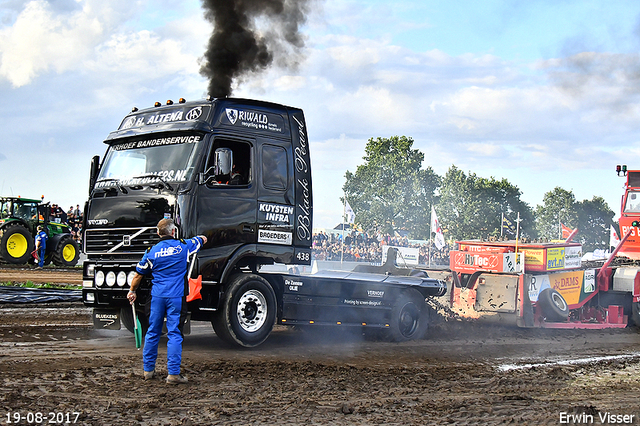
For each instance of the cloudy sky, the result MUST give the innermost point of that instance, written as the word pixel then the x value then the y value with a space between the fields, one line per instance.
pixel 543 93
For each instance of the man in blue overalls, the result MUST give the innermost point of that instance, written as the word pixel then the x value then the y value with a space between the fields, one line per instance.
pixel 167 264
pixel 41 245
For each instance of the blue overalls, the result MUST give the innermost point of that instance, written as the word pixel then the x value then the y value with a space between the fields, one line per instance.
pixel 167 264
pixel 42 238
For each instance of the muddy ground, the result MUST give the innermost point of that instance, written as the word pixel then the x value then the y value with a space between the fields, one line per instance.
pixel 52 361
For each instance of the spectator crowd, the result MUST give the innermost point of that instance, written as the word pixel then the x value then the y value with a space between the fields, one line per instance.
pixel 72 217
pixel 363 247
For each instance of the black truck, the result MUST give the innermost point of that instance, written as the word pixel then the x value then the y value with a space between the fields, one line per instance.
pixel 239 172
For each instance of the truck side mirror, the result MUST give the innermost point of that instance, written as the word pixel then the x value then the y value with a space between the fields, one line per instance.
pixel 93 173
pixel 221 170
pixel 223 162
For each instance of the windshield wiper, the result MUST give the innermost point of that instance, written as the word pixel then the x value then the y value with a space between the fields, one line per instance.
pixel 116 181
pixel 151 175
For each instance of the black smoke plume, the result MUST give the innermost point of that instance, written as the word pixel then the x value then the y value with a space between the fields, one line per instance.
pixel 248 36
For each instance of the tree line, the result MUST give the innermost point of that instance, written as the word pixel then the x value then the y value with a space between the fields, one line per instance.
pixel 392 191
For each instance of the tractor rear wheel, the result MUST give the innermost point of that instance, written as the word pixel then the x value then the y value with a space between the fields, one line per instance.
pixel 67 252
pixel 16 244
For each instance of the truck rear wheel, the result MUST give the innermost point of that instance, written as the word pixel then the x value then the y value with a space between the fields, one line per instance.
pixel 553 305
pixel 248 312
pixel 409 317
pixel 16 244
pixel 67 252
pixel 635 313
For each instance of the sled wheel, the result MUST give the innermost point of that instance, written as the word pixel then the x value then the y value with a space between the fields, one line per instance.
pixel 16 244
pixel 248 312
pixel 409 317
pixel 553 305
pixel 67 252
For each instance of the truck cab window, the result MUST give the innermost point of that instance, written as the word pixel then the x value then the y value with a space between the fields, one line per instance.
pixel 274 167
pixel 633 202
pixel 229 163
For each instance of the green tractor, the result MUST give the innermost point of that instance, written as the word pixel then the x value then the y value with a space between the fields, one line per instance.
pixel 19 220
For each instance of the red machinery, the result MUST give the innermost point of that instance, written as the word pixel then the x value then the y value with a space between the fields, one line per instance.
pixel 546 284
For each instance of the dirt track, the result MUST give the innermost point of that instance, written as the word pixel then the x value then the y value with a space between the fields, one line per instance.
pixel 51 360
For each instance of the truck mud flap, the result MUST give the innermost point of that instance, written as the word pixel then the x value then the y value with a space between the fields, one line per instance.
pixel 106 319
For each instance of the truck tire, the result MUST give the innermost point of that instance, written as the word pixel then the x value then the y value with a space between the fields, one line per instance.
pixel 126 319
pixel 553 305
pixel 635 313
pixel 248 312
pixel 67 252
pixel 16 244
pixel 409 317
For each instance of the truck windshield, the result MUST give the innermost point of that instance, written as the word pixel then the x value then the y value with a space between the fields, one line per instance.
pixel 632 204
pixel 137 162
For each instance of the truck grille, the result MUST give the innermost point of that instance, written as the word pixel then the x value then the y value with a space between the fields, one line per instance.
pixel 120 241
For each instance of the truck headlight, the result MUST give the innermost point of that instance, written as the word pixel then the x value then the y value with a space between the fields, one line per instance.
pixel 91 270
pixel 89 297
pixel 99 278
pixel 130 277
pixel 110 278
pixel 121 279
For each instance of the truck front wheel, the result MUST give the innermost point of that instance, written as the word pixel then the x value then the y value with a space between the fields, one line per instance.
pixel 248 312
pixel 16 244
pixel 409 317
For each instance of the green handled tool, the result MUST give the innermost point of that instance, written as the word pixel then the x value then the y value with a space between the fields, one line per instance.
pixel 137 328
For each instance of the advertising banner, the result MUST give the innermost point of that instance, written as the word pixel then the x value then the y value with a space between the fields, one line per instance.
pixel 534 259
pixel 470 262
pixel 406 255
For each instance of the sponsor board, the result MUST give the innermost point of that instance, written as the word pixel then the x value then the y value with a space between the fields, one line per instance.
pixel 534 259
pixel 375 293
pixel 572 285
pixel 470 262
pixel 293 285
pixel 275 237
pixel 572 257
pixel 276 213
pixel 106 319
pixel 149 143
pixel 406 255
pixel 256 120
pixel 569 285
pixel 537 283
pixel 358 302
pixel 555 258
pixel 589 281
pixel 164 175
pixel 166 116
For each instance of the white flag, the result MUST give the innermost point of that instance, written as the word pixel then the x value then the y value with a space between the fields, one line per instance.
pixel 349 213
pixel 613 238
pixel 435 227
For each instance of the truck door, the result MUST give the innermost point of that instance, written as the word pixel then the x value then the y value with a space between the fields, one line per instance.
pixel 275 194
pixel 226 201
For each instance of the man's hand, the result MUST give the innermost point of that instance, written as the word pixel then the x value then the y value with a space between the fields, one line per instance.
pixel 131 296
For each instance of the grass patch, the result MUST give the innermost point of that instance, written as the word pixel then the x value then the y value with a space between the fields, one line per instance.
pixel 30 284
